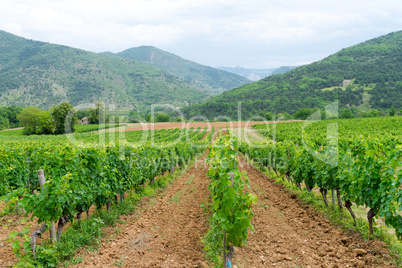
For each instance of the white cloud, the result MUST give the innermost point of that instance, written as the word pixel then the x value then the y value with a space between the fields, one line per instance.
pixel 206 31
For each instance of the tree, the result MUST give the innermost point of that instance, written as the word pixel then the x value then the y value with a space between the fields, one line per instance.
pixel 268 116
pixel 82 113
pixel 372 113
pixel 135 117
pixel 287 116
pixel 36 121
pixel 162 117
pixel 346 113
pixel 64 116
pixel 354 110
pixel 4 124
pixel 13 111
pixel 392 112
pixel 10 114
pixel 178 119
pixel 303 113
pixel 46 124
pixel 98 115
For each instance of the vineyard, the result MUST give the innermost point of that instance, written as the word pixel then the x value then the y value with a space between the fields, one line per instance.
pixel 84 170
pixel 360 160
pixel 243 217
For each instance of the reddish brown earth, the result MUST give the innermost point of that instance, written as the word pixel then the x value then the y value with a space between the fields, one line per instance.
pixel 291 234
pixel 14 222
pixel 209 125
pixel 17 222
pixel 166 232
pixel 7 224
pixel 287 232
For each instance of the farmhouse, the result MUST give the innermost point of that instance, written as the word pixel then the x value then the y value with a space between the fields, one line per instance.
pixel 85 121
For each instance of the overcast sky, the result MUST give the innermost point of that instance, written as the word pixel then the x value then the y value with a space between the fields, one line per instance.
pixel 252 34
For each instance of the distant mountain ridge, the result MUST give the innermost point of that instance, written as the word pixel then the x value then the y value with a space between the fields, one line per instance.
pixel 34 73
pixel 205 78
pixel 374 69
pixel 257 74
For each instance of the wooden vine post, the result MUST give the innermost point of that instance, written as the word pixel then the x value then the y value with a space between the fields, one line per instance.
pixel 41 230
pixel 333 198
pixel 42 181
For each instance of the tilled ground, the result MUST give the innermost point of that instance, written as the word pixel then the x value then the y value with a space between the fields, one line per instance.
pixel 195 124
pixel 7 224
pixel 16 223
pixel 166 232
pixel 291 234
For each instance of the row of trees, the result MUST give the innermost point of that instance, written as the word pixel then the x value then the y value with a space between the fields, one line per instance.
pixel 62 118
pixel 352 112
pixel 135 117
pixel 301 114
pixel 59 119
pixel 8 117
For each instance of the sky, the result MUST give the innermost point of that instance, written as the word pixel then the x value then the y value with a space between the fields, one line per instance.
pixel 253 34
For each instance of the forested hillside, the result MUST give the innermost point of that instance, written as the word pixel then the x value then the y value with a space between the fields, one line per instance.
pixel 40 74
pixel 211 80
pixel 374 69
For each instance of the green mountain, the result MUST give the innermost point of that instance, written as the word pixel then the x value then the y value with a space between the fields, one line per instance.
pixel 368 75
pixel 40 74
pixel 256 74
pixel 205 78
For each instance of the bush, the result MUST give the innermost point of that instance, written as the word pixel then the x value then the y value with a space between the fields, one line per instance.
pixel 64 117
pixel 162 117
pixel 135 119
pixel 372 113
pixel 303 113
pixel 4 124
pixel 268 116
pixel 392 111
pixel 36 121
pixel 346 114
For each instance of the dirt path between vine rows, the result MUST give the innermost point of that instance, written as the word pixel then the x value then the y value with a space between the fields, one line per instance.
pixel 291 234
pixel 165 232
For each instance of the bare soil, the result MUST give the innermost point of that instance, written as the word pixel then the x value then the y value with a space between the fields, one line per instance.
pixel 209 125
pixel 289 233
pixel 9 223
pixel 17 222
pixel 167 230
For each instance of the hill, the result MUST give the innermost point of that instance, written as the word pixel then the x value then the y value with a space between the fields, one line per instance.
pixel 256 74
pixel 373 68
pixel 40 74
pixel 205 78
